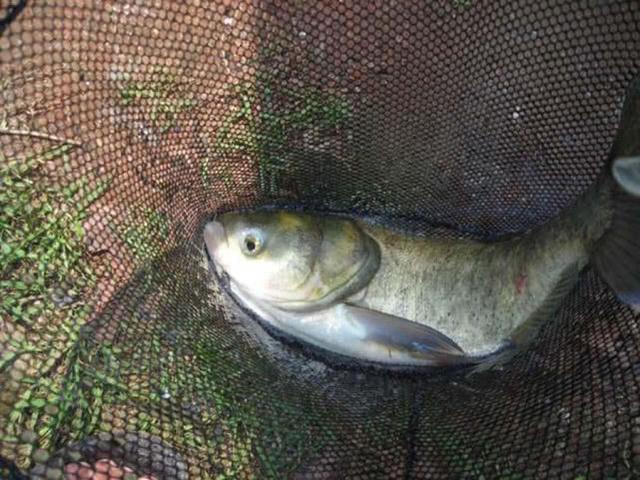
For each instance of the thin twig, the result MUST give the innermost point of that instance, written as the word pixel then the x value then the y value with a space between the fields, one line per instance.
pixel 44 136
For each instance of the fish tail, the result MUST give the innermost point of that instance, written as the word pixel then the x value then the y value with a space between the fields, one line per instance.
pixel 616 255
pixel 609 218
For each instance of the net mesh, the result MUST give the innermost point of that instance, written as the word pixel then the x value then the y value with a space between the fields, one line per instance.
pixel 125 125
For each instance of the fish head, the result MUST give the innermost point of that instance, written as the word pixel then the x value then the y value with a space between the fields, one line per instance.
pixel 267 254
pixel 291 260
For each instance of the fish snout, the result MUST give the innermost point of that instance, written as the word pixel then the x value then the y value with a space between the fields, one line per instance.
pixel 214 236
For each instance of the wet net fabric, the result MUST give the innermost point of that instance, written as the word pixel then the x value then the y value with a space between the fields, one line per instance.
pixel 125 125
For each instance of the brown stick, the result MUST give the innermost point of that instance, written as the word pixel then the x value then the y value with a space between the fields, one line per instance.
pixel 44 136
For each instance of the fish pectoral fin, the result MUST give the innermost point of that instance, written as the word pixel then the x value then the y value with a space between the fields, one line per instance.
pixel 397 334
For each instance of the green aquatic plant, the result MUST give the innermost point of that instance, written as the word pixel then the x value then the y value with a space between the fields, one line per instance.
pixel 45 276
pixel 162 96
pixel 267 116
pixel 462 3
pixel 146 233
pixel 64 402
pixel 42 256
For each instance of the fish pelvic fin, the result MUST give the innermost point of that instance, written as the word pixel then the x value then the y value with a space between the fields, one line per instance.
pixel 524 334
pixel 617 254
pixel 423 344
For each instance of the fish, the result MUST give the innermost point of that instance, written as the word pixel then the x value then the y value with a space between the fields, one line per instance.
pixel 372 294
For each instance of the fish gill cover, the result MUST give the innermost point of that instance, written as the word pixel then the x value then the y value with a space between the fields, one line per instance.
pixel 125 125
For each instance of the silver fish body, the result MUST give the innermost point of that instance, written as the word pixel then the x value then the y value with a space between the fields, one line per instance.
pixel 370 293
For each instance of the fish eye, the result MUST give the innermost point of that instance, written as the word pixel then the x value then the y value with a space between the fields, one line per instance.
pixel 251 244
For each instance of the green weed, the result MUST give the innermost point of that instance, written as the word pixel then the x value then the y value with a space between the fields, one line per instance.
pixel 44 275
pixel 42 264
pixel 64 402
pixel 266 118
pixel 224 175
pixel 162 95
pixel 147 235
pixel 462 3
